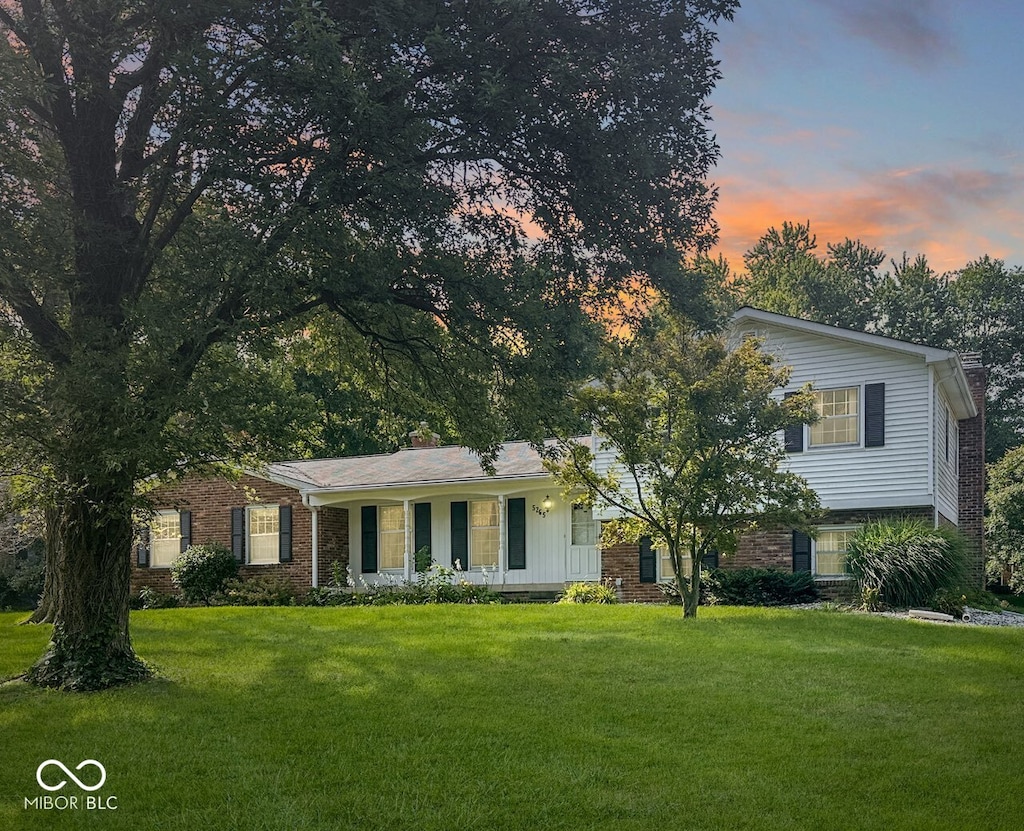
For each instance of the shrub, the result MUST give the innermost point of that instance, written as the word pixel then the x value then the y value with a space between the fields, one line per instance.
pixel 327 596
pixel 258 591
pixel 202 570
pixel 21 580
pixel 906 561
pixel 757 587
pixel 435 585
pixel 588 593
pixel 953 601
pixel 150 598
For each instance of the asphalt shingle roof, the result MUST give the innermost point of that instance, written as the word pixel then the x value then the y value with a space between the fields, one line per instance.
pixel 410 466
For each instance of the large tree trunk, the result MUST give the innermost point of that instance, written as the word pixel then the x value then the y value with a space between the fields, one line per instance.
pixel 89 590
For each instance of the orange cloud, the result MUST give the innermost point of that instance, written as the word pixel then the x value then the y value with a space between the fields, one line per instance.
pixel 951 216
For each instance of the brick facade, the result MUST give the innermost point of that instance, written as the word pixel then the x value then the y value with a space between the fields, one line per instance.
pixel 758 549
pixel 972 468
pixel 210 501
pixel 622 563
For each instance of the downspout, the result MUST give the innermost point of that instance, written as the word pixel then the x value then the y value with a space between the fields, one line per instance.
pixel 933 490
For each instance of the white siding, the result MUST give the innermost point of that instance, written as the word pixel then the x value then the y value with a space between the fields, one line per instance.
pixel 896 475
pixel 547 539
pixel 856 476
pixel 946 458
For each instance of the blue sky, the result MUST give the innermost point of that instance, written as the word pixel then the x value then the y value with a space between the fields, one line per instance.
pixel 898 122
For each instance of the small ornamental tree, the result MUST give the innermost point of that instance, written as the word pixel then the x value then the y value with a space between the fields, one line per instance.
pixel 694 427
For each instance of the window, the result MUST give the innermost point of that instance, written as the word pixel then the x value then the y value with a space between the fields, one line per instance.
pixel 584 528
pixel 839 417
pixel 392 536
pixel 483 534
pixel 264 534
pixel 164 539
pixel 830 551
pixel 665 563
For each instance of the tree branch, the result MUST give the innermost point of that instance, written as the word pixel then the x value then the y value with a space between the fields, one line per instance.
pixel 46 332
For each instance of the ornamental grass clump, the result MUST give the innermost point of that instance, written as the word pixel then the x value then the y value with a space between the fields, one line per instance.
pixel 904 562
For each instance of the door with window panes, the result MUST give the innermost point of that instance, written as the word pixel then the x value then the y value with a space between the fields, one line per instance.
pixel 584 560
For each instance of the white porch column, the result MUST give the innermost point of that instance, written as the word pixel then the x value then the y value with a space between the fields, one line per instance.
pixel 315 544
pixel 408 540
pixel 502 554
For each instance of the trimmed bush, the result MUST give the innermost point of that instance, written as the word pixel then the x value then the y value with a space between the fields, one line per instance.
pixel 588 593
pixel 257 591
pixel 757 587
pixel 201 571
pixel 904 562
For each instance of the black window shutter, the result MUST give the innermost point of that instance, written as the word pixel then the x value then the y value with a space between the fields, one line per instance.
pixel 648 561
pixel 185 524
pixel 284 534
pixel 460 534
pixel 794 434
pixel 421 527
pixel 368 516
pixel 710 560
pixel 801 551
pixel 517 533
pixel 142 548
pixel 874 415
pixel 238 533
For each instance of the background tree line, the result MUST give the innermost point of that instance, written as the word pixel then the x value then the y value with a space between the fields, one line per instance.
pixel 976 308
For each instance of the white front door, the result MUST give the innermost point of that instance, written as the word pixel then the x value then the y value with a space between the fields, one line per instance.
pixel 584 556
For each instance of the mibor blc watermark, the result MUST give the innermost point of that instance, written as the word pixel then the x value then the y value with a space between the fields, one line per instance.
pixel 53 775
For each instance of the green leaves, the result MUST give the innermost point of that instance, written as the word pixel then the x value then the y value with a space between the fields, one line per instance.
pixel 687 441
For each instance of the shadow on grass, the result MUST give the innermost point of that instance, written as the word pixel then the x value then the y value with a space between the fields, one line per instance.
pixel 534 717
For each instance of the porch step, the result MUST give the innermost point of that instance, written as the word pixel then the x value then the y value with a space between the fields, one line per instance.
pixel 530 596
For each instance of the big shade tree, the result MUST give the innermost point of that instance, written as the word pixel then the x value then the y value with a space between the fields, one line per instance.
pixel 185 183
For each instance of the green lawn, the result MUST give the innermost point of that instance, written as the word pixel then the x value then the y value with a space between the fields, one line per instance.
pixel 532 717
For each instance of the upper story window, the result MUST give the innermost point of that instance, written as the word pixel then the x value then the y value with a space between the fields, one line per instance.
pixel 164 539
pixel 392 536
pixel 839 417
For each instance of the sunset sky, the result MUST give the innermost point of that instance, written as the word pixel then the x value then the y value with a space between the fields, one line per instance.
pixel 898 122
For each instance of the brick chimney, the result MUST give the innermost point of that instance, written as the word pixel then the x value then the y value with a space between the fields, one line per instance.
pixel 972 468
pixel 423 436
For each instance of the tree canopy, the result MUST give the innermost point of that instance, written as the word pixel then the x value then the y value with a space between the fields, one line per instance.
pixel 184 185
pixel 978 308
pixel 692 425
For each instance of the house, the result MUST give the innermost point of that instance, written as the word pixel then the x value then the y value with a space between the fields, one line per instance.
pixel 901 433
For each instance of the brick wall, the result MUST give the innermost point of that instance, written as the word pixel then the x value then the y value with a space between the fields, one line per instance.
pixel 211 499
pixel 972 469
pixel 332 524
pixel 623 562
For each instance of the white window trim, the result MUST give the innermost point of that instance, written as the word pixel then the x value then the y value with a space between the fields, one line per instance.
pixel 499 528
pixel 814 551
pixel 165 513
pixel 380 538
pixel 248 534
pixel 665 567
pixel 813 448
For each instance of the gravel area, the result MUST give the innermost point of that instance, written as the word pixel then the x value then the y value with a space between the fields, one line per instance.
pixel 978 617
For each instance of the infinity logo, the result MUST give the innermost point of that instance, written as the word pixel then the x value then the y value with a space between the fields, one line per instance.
pixel 70 775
